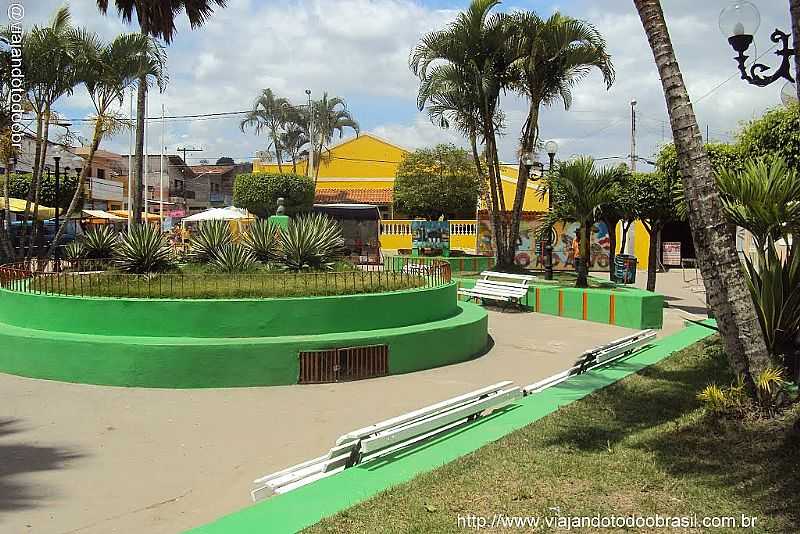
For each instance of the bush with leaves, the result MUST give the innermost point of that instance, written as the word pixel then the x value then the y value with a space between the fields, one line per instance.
pixel 775 134
pixel 311 242
pixel 20 184
pixel 262 240
pixel 144 249
pixel 99 242
pixel 259 192
pixel 234 258
pixel 771 396
pixel 208 239
pixel 431 182
pixel 74 250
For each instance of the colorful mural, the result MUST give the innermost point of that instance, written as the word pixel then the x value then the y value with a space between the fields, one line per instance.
pixel 430 234
pixel 529 252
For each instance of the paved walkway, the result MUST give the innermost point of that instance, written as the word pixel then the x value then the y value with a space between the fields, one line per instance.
pixel 92 459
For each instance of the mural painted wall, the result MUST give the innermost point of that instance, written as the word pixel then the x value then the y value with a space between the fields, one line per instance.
pixel 529 252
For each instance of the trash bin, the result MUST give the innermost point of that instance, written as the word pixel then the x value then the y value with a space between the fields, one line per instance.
pixel 625 268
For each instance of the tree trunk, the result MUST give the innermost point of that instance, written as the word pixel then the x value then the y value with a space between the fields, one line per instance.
pixel 529 137
pixel 794 10
pixel 652 256
pixel 582 260
pixel 37 192
pixel 715 243
pixel 76 198
pixel 626 225
pixel 137 196
pixel 22 238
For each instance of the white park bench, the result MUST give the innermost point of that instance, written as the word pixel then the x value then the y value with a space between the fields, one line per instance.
pixel 500 287
pixel 388 436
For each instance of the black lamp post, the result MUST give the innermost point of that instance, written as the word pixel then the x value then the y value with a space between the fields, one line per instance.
pixel 57 159
pixel 552 148
pixel 739 22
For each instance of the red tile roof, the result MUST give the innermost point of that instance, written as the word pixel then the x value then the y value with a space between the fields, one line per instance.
pixel 355 196
pixel 212 169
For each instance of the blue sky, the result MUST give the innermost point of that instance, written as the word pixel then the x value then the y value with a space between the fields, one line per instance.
pixel 358 49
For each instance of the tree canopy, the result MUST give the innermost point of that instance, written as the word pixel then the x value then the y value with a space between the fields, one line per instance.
pixel 259 192
pixel 439 181
pixel 19 186
pixel 774 134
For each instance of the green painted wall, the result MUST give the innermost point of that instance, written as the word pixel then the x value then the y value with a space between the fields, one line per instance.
pixel 634 308
pixel 192 362
pixel 227 318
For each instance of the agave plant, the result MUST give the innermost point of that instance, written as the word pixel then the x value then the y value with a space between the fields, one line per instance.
pixel 234 258
pixel 311 242
pixel 99 242
pixel 208 239
pixel 774 284
pixel 74 250
pixel 262 240
pixel 143 250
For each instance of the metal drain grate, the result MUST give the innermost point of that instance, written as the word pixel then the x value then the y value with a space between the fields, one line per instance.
pixel 341 365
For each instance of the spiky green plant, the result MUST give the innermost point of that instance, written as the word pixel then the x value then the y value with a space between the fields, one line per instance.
pixel 99 242
pixel 144 250
pixel 262 240
pixel 774 284
pixel 74 250
pixel 234 258
pixel 208 239
pixel 311 242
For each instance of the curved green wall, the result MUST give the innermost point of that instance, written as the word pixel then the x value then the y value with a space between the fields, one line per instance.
pixel 423 334
pixel 224 318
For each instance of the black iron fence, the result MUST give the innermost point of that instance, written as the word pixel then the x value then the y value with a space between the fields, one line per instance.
pixel 98 278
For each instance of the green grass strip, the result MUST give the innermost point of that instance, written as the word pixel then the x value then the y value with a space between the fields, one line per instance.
pixel 305 506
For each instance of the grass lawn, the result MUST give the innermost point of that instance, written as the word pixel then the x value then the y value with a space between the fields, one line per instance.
pixel 206 285
pixel 642 446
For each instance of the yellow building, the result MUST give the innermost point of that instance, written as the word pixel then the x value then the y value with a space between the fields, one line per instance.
pixel 362 170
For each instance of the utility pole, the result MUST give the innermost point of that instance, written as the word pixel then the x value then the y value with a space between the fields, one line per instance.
pixel 185 150
pixel 633 135
pixel 130 165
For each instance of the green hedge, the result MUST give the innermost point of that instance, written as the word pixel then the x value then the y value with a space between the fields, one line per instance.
pixel 259 192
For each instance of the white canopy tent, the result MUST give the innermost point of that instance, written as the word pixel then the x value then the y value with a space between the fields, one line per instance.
pixel 219 214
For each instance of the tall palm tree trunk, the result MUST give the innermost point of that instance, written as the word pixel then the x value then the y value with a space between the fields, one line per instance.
pixel 39 173
pixel 582 261
pixel 794 10
pixel 713 237
pixel 22 239
pixel 529 136
pixel 137 198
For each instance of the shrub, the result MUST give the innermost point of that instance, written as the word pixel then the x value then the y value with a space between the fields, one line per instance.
pixel 143 250
pixel 259 192
pixel 311 242
pixel 99 242
pixel 208 239
pixel 233 258
pixel 75 250
pixel 262 240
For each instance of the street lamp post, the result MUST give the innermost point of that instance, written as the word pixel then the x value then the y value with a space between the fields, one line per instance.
pixel 310 165
pixel 552 148
pixel 739 23
pixel 57 159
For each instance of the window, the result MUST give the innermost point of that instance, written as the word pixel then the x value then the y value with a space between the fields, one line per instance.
pixel 101 174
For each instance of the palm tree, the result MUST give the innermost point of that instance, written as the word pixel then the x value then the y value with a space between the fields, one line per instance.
pixel 581 191
pixel 713 237
pixel 292 140
pixel 270 113
pixel 156 19
pixel 472 61
pixel 764 199
pixel 50 73
pixel 108 70
pixel 556 54
pixel 330 116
